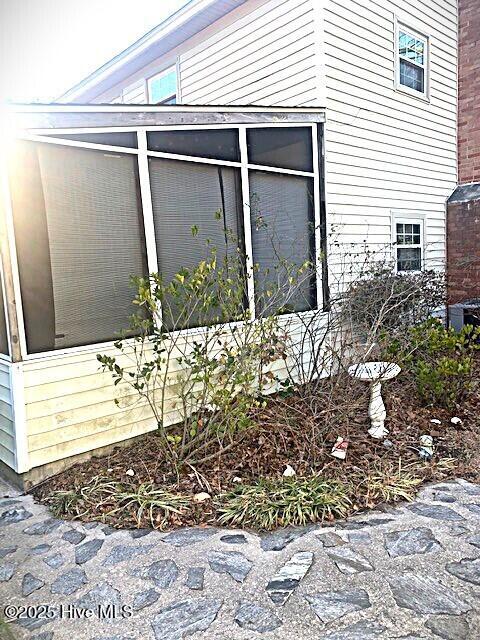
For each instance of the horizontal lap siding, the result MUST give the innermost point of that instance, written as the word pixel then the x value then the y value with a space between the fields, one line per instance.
pixel 266 57
pixel 386 151
pixel 7 428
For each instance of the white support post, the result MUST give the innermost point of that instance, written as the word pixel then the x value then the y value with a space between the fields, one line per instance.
pixel 317 222
pixel 242 133
pixel 17 386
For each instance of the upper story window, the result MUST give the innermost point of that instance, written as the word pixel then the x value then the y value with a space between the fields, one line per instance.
pixel 162 88
pixel 412 59
pixel 409 244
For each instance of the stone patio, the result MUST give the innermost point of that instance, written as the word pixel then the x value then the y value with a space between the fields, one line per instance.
pixel 410 572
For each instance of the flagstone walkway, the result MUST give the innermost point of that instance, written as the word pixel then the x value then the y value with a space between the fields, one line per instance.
pixel 410 572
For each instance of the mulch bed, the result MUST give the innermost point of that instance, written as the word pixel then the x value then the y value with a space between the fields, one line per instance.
pixel 299 431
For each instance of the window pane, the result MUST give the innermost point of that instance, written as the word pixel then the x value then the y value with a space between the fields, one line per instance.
pixel 79 238
pixel 163 87
pixel 3 325
pixel 283 240
pixel 411 76
pixel 283 147
pixel 409 259
pixel 186 195
pixel 115 139
pixel 218 144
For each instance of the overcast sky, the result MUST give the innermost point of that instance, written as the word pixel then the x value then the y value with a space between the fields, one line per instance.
pixel 46 46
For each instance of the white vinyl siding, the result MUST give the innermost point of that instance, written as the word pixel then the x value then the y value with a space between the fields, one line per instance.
pixel 384 149
pixel 7 430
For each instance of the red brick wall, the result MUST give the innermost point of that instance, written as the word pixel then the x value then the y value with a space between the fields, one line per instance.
pixel 463 251
pixel 469 91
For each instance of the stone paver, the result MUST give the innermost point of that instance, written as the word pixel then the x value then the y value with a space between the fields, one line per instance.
pixel 410 572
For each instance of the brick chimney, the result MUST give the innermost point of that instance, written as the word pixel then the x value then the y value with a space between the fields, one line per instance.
pixel 463 210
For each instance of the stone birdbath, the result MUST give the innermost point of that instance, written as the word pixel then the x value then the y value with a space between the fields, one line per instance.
pixel 375 373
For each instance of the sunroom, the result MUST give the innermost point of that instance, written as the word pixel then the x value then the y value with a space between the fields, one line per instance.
pixel 93 195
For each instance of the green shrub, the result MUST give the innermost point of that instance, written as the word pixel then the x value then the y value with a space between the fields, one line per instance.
pixel 272 503
pixel 440 359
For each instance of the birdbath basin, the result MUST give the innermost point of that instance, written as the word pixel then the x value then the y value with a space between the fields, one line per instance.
pixel 375 373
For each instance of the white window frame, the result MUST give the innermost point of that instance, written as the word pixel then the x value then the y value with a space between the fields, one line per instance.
pixel 160 75
pixel 41 135
pixel 422 95
pixel 399 218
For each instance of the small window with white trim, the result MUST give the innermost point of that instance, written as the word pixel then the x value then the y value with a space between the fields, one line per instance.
pixel 408 244
pixel 411 63
pixel 162 88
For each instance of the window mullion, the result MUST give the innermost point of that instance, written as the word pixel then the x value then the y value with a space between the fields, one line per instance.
pixel 247 227
pixel 147 208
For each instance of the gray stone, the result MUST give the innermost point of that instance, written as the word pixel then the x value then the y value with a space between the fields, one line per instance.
pixel 145 599
pixel 475 540
pixel 140 533
pixel 330 539
pixel 278 540
pixel 363 630
pixel 469 487
pixel 458 530
pixel 349 561
pixel 90 525
pixel 425 595
pixel 444 497
pixel 35 622
pixel 103 637
pixel 30 584
pixel 69 582
pixel 237 538
pixel 101 594
pixel 55 561
pixel 195 578
pixel 125 552
pixel 466 569
pixel 14 515
pixel 359 537
pixel 7 569
pixel 474 508
pixel 449 627
pixel 46 635
pixel 283 583
pixel 254 618
pixel 73 536
pixel 332 605
pixel 410 542
pixel 163 573
pixel 435 511
pixel 40 549
pixel 232 562
pixel 87 550
pixel 43 528
pixel 7 502
pixel 184 618
pixel 186 537
pixel 5 551
pixel 108 530
pixel 361 524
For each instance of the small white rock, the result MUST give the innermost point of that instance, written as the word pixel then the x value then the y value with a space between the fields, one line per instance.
pixel 435 421
pixel 236 479
pixel 456 420
pixel 130 472
pixel 289 471
pixel 201 497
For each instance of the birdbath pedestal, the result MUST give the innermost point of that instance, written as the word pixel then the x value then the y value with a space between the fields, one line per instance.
pixel 375 373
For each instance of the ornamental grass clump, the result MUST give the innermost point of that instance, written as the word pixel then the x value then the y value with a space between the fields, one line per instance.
pixel 272 503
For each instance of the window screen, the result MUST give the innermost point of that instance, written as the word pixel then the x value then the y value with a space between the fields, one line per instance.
pixel 114 138
pixel 282 147
pixel 219 144
pixel 3 325
pixel 282 239
pixel 79 239
pixel 191 194
pixel 409 246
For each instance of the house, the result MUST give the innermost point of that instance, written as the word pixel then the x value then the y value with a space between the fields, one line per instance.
pixel 338 112
pixel 463 215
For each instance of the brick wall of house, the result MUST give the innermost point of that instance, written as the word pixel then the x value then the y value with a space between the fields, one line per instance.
pixel 469 91
pixel 463 210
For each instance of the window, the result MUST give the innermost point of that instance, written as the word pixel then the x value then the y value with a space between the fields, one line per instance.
pixel 409 245
pixel 412 59
pixel 79 237
pixel 162 88
pixel 80 211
